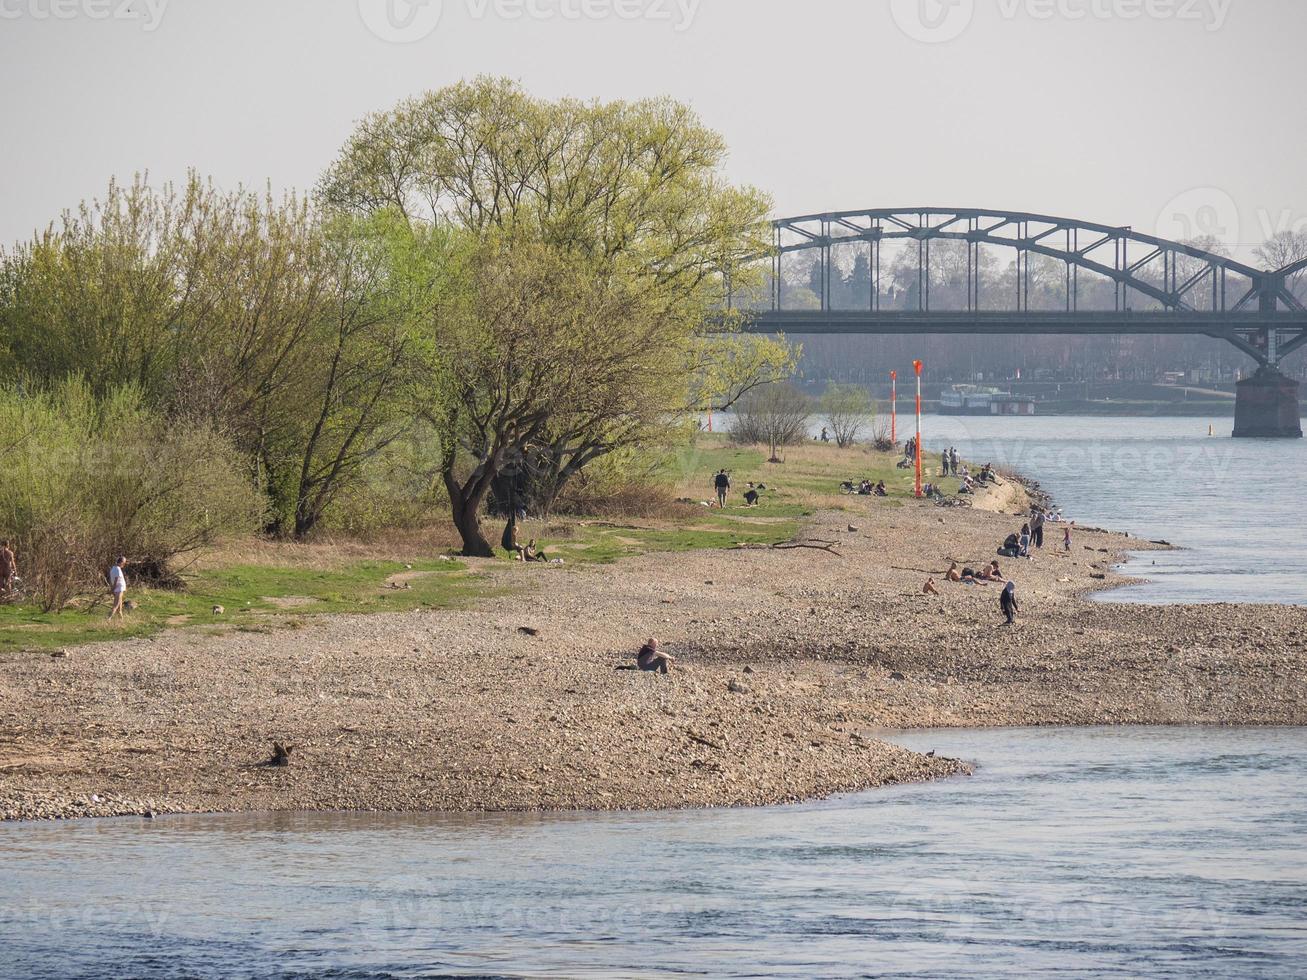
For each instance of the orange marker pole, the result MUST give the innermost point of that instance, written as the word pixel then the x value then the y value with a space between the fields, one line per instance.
pixel 917 367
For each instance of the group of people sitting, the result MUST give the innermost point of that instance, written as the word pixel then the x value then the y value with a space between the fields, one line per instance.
pixel 865 488
pixel 1031 536
pixel 521 552
pixel 969 576
pixel 1007 600
pixel 969 484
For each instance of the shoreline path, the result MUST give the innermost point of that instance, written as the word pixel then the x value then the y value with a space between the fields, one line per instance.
pixel 462 710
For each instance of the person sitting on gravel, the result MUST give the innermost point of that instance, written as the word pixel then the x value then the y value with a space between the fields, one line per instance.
pixel 1011 547
pixel 992 573
pixel 953 574
pixel 929 587
pixel 651 660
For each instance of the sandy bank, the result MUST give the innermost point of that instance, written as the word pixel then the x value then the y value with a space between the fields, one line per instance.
pixel 464 711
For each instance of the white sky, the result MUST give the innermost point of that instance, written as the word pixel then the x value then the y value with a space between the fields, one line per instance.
pixel 1161 114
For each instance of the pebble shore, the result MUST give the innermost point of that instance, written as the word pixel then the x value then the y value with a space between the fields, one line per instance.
pixel 792 663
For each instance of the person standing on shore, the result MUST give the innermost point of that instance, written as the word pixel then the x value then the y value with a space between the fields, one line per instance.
pixel 1023 542
pixel 1037 527
pixel 1066 538
pixel 1007 603
pixel 722 481
pixel 118 586
pixel 8 569
pixel 943 463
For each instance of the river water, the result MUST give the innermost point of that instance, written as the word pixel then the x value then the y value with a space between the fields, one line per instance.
pixel 1231 504
pixel 1112 852
pixel 1095 852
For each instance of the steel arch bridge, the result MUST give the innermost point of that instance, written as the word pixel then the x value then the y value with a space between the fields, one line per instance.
pixel 1159 286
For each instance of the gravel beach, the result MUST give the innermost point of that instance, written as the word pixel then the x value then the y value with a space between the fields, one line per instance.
pixel 791 663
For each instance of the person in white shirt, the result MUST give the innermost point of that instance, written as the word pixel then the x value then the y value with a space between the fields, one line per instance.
pixel 118 586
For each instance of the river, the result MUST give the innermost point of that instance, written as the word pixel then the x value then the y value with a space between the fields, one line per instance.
pixel 1230 504
pixel 1096 852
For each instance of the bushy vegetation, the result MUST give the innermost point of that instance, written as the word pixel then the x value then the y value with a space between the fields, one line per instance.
pixel 88 477
pixel 486 291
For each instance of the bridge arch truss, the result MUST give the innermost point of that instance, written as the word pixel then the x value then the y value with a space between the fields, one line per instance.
pixel 1158 285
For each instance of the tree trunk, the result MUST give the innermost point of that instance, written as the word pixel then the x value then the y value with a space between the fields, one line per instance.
pixel 468 521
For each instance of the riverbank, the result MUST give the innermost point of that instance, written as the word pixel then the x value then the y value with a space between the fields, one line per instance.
pixel 792 660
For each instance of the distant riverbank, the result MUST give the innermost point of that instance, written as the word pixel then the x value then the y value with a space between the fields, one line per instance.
pixel 791 662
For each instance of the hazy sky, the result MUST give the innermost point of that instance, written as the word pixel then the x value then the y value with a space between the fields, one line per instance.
pixel 1174 116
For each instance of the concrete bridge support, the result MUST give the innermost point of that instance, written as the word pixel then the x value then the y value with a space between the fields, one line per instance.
pixel 1266 407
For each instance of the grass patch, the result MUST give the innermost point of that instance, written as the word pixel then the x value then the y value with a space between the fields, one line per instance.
pixel 268 585
pixel 254 599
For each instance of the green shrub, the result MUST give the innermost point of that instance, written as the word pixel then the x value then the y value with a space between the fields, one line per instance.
pixel 84 479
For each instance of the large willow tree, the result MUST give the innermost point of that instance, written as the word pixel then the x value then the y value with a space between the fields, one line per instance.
pixel 598 236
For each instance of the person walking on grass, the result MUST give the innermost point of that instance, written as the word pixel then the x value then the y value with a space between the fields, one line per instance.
pixel 118 586
pixel 722 481
pixel 8 569
pixel 1007 603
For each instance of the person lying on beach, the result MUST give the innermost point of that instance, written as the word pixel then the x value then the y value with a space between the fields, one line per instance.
pixel 929 587
pixel 651 660
pixel 992 573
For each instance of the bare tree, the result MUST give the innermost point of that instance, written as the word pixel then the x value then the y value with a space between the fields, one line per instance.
pixel 777 414
pixel 846 409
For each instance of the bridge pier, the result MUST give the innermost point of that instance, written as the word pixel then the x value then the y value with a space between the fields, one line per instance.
pixel 1266 407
